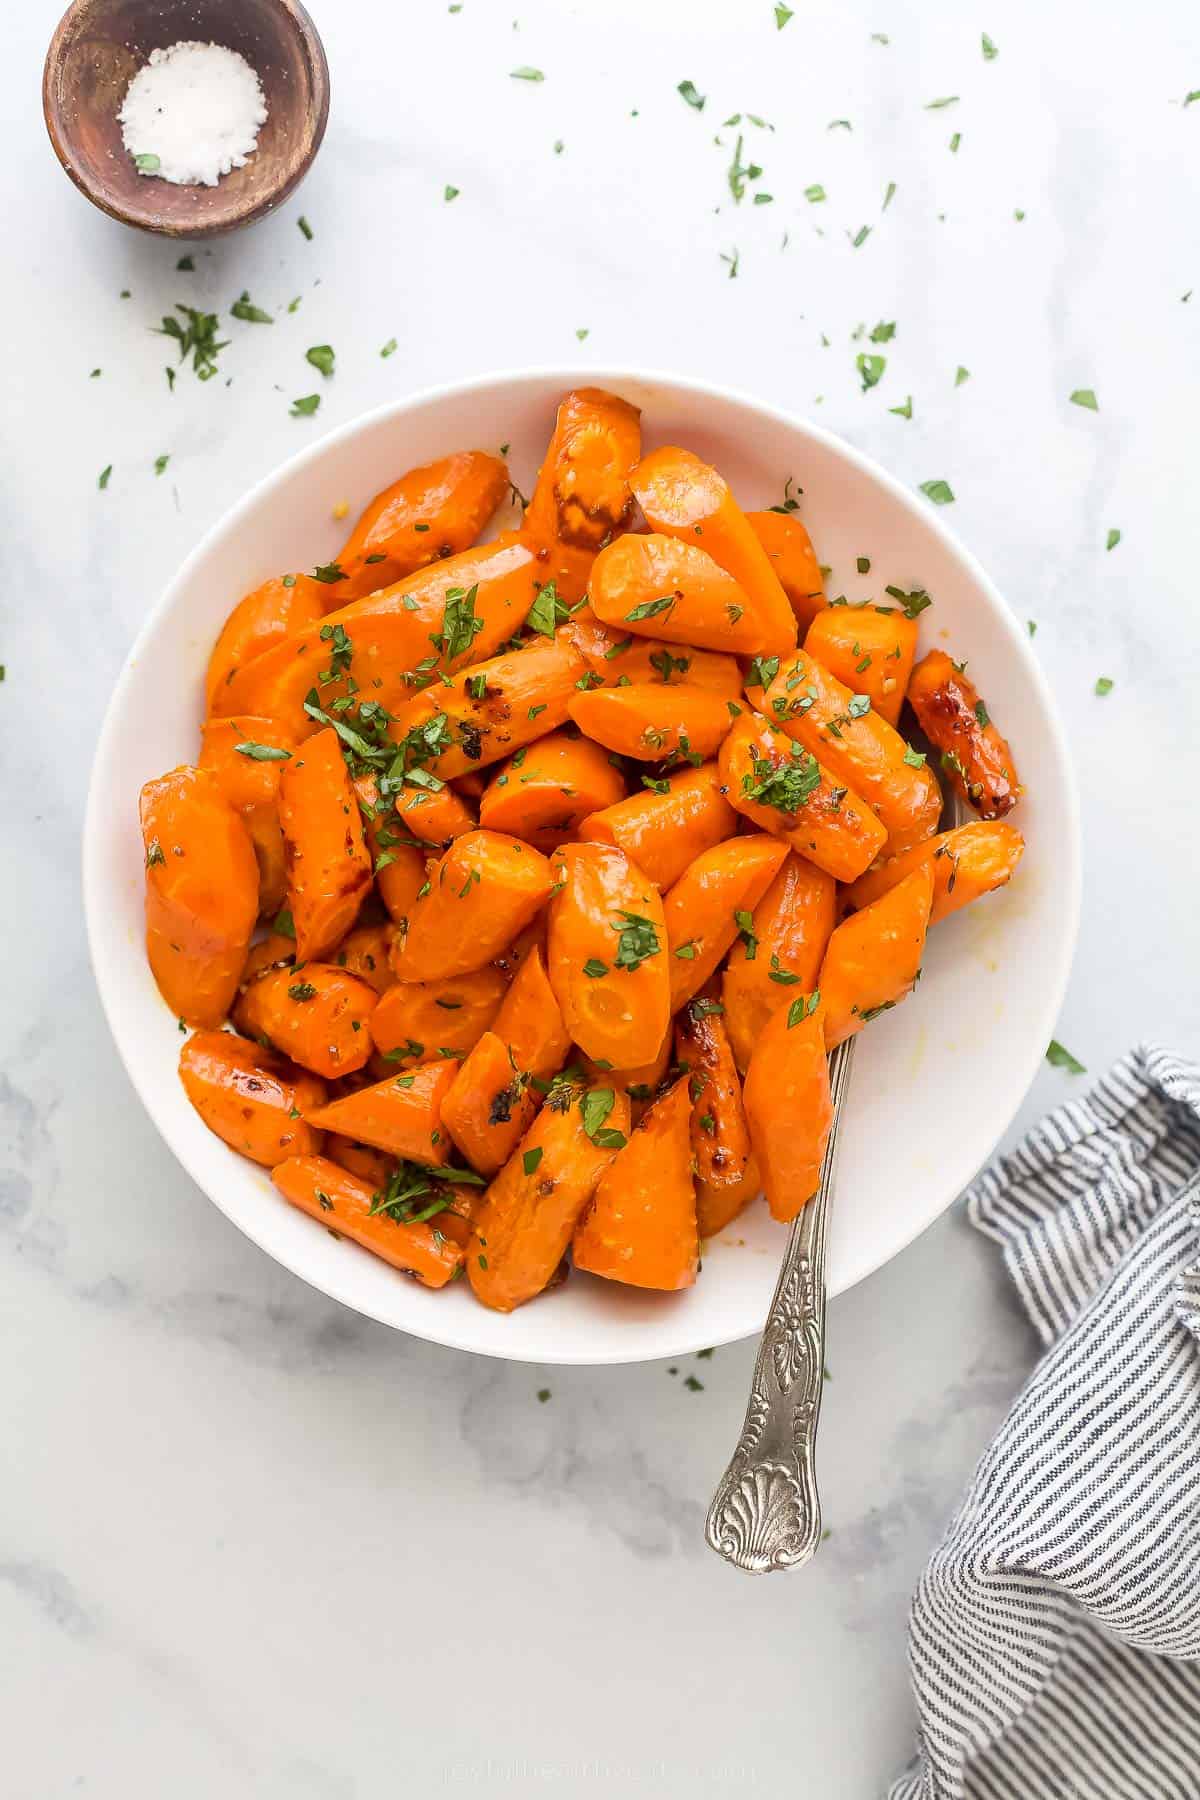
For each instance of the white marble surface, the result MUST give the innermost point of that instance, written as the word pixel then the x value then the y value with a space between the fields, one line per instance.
pixel 249 1543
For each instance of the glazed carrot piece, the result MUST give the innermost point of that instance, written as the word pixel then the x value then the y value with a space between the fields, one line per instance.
pixel 667 826
pixel 495 1094
pixel 245 756
pixel 700 909
pixel 277 610
pixel 688 499
pixel 859 748
pixel 485 889
pixel 967 863
pixel 874 957
pixel 651 721
pixel 318 1016
pixel 329 868
pixel 656 587
pixel 371 1166
pixel 618 657
pixel 434 816
pixel 868 648
pixel 524 1225
pixel 716 1207
pixel 275 951
pixel 641 1226
pixel 437 620
pixel 975 755
pixel 498 707
pixel 402 1114
pixel 363 953
pixel 642 1081
pixel 201 893
pixel 343 1204
pixel 582 496
pixel 790 552
pixel 783 789
pixel 250 1098
pixel 420 1021
pixel 790 928
pixel 399 865
pixel 559 781
pixel 720 1138
pixel 788 1105
pixel 430 513
pixel 606 955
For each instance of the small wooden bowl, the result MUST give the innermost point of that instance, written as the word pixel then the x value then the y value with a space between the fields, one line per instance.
pixel 101 44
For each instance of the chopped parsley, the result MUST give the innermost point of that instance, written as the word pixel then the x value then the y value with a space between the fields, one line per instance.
pixel 244 308
pixel 637 940
pixel 870 369
pixel 1103 685
pixel 1085 397
pixel 305 406
pixel 786 785
pixel 321 357
pixel 196 338
pixel 803 1007
pixel 262 752
pixel 690 93
pixel 940 492
pixel 594 1108
pixel 1059 1057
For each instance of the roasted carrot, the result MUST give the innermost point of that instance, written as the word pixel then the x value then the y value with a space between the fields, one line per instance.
pixel 870 649
pixel 345 1205
pixel 582 496
pixel 656 587
pixel 640 1082
pixel 559 781
pixel 277 610
pixel 974 754
pixel 318 1016
pixel 201 893
pixel 859 748
pixel 701 909
pixel 790 552
pixel 615 658
pixel 649 721
pixel 688 499
pixel 485 889
pixel 433 815
pixel 250 1098
pixel 430 513
pixel 780 956
pixel 452 613
pixel 716 1207
pixel 246 755
pixel 606 955
pixel 496 708
pixel 419 1021
pixel 973 860
pixel 363 953
pixel 666 827
pixel 329 869
pixel 402 1114
pixel 524 1225
pixel 399 864
pixel 641 1226
pixel 276 951
pixel 371 1166
pixel 720 1139
pixel 788 1105
pixel 782 788
pixel 874 957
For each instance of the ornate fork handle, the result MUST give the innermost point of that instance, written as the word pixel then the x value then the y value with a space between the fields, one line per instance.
pixel 766 1512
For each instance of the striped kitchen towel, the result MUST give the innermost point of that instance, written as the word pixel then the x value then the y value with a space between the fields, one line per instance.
pixel 1055 1635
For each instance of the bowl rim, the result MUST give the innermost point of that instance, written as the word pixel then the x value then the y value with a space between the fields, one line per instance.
pixel 1068 873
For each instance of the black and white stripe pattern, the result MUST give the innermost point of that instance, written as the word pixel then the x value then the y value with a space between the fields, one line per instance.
pixel 1055 1635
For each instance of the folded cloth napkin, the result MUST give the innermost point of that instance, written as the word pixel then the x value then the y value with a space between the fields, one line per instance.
pixel 1055 1636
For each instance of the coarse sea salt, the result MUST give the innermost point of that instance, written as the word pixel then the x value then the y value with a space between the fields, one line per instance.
pixel 192 114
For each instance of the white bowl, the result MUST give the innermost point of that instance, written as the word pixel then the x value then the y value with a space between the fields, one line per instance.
pixel 935 1083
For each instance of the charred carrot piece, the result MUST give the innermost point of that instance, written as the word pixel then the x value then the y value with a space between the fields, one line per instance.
pixel 276 951
pixel 869 649
pixel 277 610
pixel 398 860
pixel 250 1098
pixel 874 957
pixel 524 1225
pixel 720 1138
pixel 668 825
pixel 402 1115
pixel 717 1207
pixel 559 781
pixel 346 1205
pixel 657 587
pixel 967 863
pixel 701 909
pixel 975 754
pixel 485 889
pixel 616 657
pixel 606 955
pixel 201 893
pixel 431 513
pixel 582 496
pixel 420 1021
pixel 364 953
pixel 782 788
pixel 245 756
pixel 318 1016
pixel 790 552
pixel 788 1105
pixel 781 954
pixel 641 1226
pixel 651 721
pixel 329 869
pixel 641 1081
